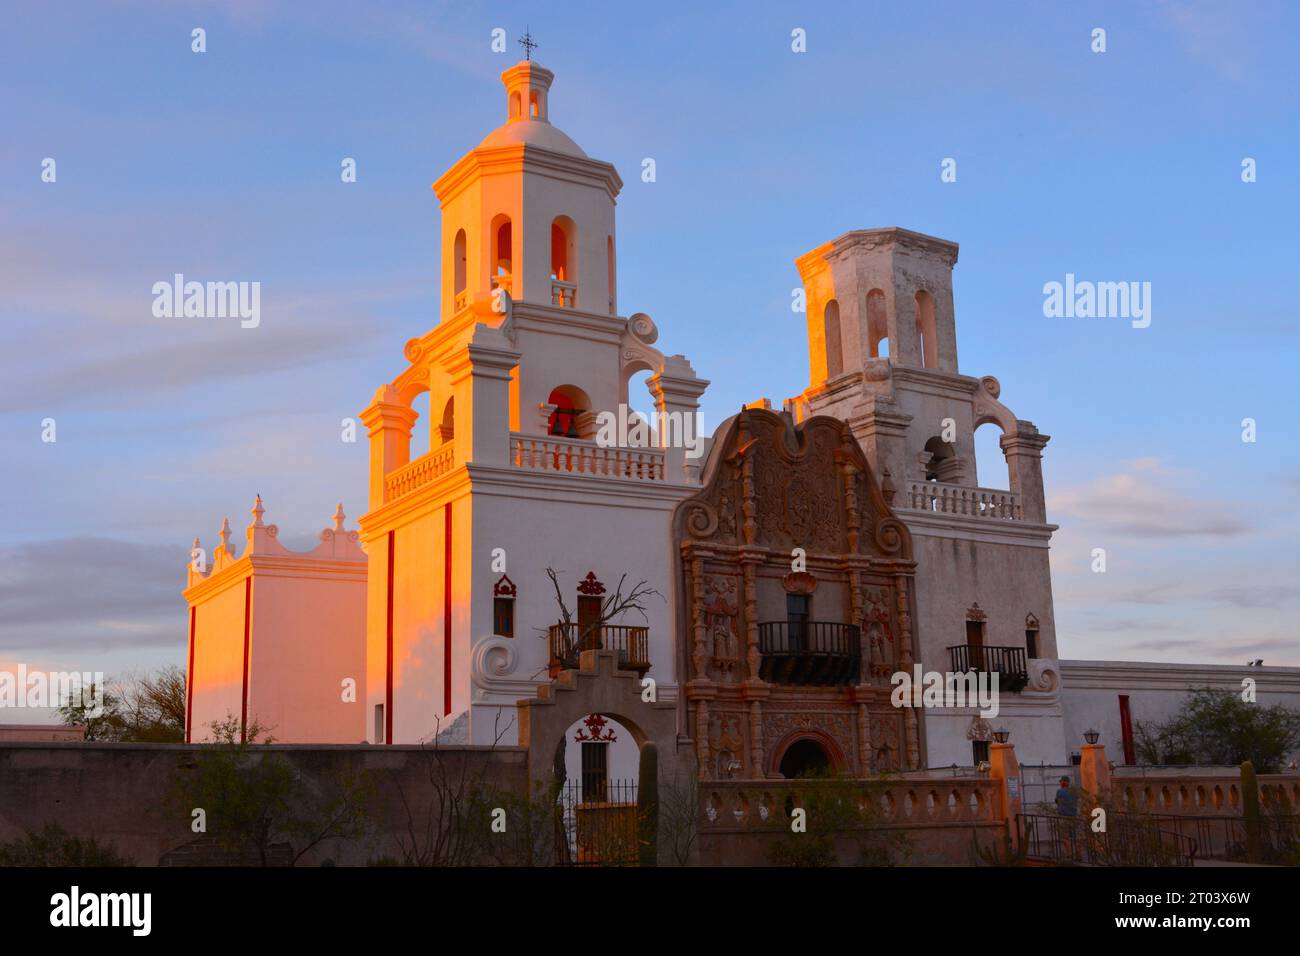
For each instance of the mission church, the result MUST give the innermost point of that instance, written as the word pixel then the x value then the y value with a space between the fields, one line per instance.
pixel 482 569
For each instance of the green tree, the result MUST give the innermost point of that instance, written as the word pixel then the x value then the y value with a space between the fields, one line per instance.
pixel 54 846
pixel 138 708
pixel 1218 727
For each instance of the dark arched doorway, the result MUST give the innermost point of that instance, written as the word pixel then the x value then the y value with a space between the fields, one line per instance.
pixel 805 758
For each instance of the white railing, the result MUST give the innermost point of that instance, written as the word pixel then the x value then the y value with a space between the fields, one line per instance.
pixel 426 468
pixel 575 456
pixel 961 500
pixel 564 294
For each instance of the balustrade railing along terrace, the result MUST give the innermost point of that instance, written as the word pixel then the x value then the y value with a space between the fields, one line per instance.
pixel 948 499
pixel 412 475
pixel 580 457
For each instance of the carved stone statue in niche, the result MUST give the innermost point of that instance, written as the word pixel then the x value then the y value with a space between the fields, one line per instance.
pixel 884 743
pixel 720 618
pixel 880 637
pixel 726 517
pixel 727 744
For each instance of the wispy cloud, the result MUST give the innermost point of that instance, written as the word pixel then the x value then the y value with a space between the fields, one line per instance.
pixel 91 593
pixel 1141 502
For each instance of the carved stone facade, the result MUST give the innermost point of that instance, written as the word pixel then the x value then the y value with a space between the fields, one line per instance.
pixel 793 512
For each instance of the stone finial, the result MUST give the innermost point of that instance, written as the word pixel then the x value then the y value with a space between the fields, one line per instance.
pixel 339 516
pixel 257 512
pixel 195 546
pixel 225 535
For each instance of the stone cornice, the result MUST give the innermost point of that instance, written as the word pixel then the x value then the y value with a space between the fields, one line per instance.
pixel 526 158
pixel 273 566
pixel 901 239
pixel 966 528
pixel 1119 675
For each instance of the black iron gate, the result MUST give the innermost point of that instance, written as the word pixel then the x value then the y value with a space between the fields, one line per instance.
pixel 598 825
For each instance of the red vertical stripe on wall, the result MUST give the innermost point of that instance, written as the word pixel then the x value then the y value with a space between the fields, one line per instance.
pixel 446 610
pixel 248 607
pixel 189 683
pixel 1126 730
pixel 388 692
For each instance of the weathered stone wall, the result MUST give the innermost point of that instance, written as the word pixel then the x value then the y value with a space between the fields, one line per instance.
pixel 118 793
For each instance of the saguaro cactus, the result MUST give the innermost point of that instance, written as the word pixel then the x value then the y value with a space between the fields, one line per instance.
pixel 647 805
pixel 1250 809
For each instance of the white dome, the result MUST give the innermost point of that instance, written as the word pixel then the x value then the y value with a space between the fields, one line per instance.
pixel 533 133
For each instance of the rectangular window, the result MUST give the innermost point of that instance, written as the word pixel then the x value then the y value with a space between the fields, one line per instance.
pixel 595 772
pixel 1031 644
pixel 379 723
pixel 797 612
pixel 980 751
pixel 503 617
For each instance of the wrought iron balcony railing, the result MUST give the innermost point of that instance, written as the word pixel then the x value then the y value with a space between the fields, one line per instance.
pixel 568 641
pixel 1010 663
pixel 809 652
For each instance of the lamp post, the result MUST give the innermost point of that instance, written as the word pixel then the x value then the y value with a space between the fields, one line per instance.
pixel 1091 736
pixel 1002 735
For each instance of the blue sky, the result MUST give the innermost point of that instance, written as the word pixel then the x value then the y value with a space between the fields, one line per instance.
pixel 1116 166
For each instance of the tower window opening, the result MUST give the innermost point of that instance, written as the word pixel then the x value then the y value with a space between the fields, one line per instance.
pixel 459 263
pixel 877 324
pixel 503 237
pixel 534 105
pixel 569 408
pixel 834 345
pixel 927 336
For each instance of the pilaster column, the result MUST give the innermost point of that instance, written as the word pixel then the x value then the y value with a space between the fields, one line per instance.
pixel 389 423
pixel 480 382
pixel 677 390
pixel 1024 452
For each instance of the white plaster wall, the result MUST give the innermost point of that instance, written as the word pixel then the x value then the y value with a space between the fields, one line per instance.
pixel 1156 692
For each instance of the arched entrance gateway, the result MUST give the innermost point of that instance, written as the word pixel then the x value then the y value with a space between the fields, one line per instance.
pixel 584 733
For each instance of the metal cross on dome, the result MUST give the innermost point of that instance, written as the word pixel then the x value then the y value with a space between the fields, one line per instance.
pixel 529 44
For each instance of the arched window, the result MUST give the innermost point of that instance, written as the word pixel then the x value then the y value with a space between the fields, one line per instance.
pixel 991 468
pixel 534 105
pixel 925 331
pixel 502 244
pixel 458 262
pixel 877 324
pixel 834 346
pixel 421 433
pixel 514 105
pixel 447 430
pixel 564 262
pixel 943 463
pixel 568 417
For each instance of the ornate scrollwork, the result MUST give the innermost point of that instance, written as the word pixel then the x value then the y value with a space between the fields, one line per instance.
pixel 890 535
pixel 701 520
pixel 643 328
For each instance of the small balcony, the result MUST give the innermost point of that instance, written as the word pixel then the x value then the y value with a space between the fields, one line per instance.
pixel 1009 663
pixel 809 653
pixel 568 641
pixel 564 294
